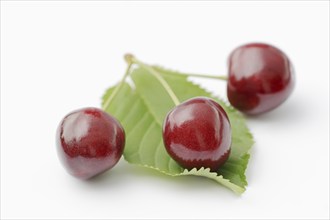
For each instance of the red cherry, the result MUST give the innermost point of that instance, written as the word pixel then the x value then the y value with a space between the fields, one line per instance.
pixel 197 134
pixel 89 142
pixel 261 77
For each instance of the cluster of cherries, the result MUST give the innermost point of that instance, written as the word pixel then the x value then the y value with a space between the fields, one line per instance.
pixel 197 132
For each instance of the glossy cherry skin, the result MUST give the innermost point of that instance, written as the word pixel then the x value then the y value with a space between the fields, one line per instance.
pixel 89 141
pixel 197 134
pixel 260 78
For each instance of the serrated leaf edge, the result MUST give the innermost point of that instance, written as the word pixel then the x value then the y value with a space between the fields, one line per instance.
pixel 202 172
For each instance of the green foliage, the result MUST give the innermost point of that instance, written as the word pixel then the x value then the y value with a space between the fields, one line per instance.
pixel 142 107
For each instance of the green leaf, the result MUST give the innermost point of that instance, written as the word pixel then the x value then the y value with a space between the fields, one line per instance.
pixel 142 108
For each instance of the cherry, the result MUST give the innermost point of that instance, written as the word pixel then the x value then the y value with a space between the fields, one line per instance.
pixel 89 142
pixel 261 77
pixel 197 134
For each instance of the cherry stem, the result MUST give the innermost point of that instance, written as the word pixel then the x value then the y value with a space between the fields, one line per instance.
pixel 158 76
pixel 204 76
pixel 130 59
pixel 121 83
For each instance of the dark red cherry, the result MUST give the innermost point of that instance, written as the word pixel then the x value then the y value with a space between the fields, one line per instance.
pixel 89 142
pixel 261 77
pixel 197 134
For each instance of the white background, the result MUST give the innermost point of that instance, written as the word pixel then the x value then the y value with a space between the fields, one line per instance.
pixel 60 56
